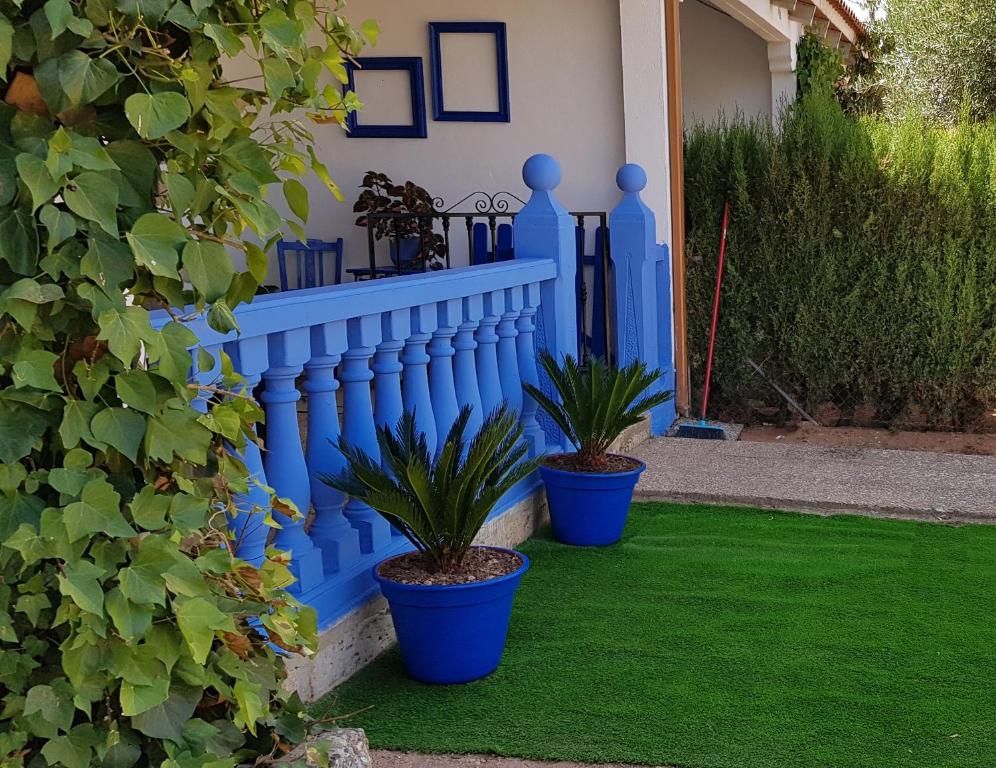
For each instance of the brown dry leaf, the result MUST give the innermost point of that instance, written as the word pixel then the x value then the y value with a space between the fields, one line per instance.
pixel 240 645
pixel 23 93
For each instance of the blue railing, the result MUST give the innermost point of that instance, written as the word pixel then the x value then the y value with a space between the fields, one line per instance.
pixel 357 355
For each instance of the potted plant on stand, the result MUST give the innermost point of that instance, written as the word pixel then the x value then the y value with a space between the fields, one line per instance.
pixel 450 601
pixel 589 491
pixel 402 213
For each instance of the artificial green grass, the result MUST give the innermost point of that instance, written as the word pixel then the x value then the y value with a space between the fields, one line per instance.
pixel 727 638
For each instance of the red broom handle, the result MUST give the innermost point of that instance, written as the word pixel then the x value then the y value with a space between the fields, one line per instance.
pixel 715 308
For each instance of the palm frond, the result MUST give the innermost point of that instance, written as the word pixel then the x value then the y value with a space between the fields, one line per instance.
pixel 438 503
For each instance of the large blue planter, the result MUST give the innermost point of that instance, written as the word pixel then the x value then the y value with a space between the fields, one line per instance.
pixel 589 509
pixel 452 634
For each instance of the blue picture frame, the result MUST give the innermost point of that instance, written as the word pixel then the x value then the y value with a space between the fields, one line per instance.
pixel 439 111
pixel 418 128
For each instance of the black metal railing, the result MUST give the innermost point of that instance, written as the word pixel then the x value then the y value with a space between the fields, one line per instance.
pixel 419 242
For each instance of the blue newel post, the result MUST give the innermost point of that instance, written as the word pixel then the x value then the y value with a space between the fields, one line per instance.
pixel 544 229
pixel 642 288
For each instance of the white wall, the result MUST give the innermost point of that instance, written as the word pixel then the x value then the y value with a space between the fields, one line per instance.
pixel 566 100
pixel 724 66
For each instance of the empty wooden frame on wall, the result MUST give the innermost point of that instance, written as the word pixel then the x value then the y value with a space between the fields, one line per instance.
pixel 455 112
pixel 409 125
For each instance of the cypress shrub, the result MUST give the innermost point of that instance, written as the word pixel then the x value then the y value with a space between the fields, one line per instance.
pixel 861 268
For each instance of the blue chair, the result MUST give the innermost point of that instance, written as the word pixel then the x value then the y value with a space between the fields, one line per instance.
pixel 314 261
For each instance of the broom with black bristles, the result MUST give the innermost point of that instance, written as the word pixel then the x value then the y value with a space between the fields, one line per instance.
pixel 703 430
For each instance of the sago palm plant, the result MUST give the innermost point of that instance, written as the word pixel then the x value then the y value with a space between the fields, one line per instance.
pixel 438 502
pixel 597 403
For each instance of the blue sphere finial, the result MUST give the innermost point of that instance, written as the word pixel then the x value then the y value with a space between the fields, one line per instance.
pixel 541 173
pixel 631 178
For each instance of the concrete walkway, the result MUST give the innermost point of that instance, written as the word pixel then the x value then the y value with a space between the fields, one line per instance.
pixel 823 479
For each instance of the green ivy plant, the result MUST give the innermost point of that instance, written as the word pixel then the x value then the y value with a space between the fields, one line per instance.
pixel 131 169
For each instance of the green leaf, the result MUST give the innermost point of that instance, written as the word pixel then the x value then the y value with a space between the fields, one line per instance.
pixel 132 622
pixel 124 331
pixel 155 115
pixel 251 707
pixel 155 240
pixel 108 262
pixel 72 750
pixel 19 240
pixel 166 721
pixel 280 33
pixel 226 40
pixel 258 262
pixel 121 428
pixel 60 225
pixel 35 368
pixel 135 388
pixel 99 511
pixel 296 195
pixel 177 431
pixel 138 171
pixel 181 193
pixel 76 418
pixel 370 29
pixel 6 45
pixel 81 585
pixel 277 76
pixel 54 709
pixel 87 152
pixel 199 618
pixel 85 79
pixel 175 360
pixel 319 169
pixel 37 178
pixel 209 268
pixel 30 290
pixel 20 426
pixel 148 509
pixel 89 195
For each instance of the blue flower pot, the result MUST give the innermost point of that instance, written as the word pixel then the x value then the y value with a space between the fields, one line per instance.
pixel 453 633
pixel 410 247
pixel 589 509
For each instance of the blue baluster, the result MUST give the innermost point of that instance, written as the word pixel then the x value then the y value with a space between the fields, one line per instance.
pixel 285 465
pixel 442 388
pixel 330 531
pixel 395 329
pixel 249 530
pixel 465 364
pixel 508 356
pixel 488 375
pixel 358 422
pixel 526 350
pixel 415 383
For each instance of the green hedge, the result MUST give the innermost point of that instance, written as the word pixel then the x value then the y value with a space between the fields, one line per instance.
pixel 861 270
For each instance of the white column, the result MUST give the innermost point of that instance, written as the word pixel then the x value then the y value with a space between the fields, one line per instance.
pixel 781 62
pixel 644 69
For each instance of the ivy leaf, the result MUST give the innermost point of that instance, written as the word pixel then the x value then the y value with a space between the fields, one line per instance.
pixel 60 225
pixel 121 428
pixel 277 76
pixel 81 585
pixel 148 509
pixel 322 172
pixel 166 720
pixel 226 40
pixel 175 361
pixel 177 431
pixel 370 29
pixel 84 79
pixel 155 240
pixel 296 195
pixel 132 622
pixel 198 619
pixel 209 267
pixel 39 181
pixel 251 707
pixel 107 262
pixel 76 418
pixel 257 262
pixel 99 511
pixel 19 240
pixel 35 368
pixel 72 750
pixel 51 707
pixel 279 31
pixel 20 426
pixel 135 388
pixel 124 330
pixel 155 115
pixel 6 45
pixel 138 172
pixel 90 196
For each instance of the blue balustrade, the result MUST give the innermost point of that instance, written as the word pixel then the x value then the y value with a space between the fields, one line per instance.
pixel 427 343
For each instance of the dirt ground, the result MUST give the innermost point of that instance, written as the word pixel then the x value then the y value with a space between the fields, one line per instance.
pixel 861 437
pixel 383 759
